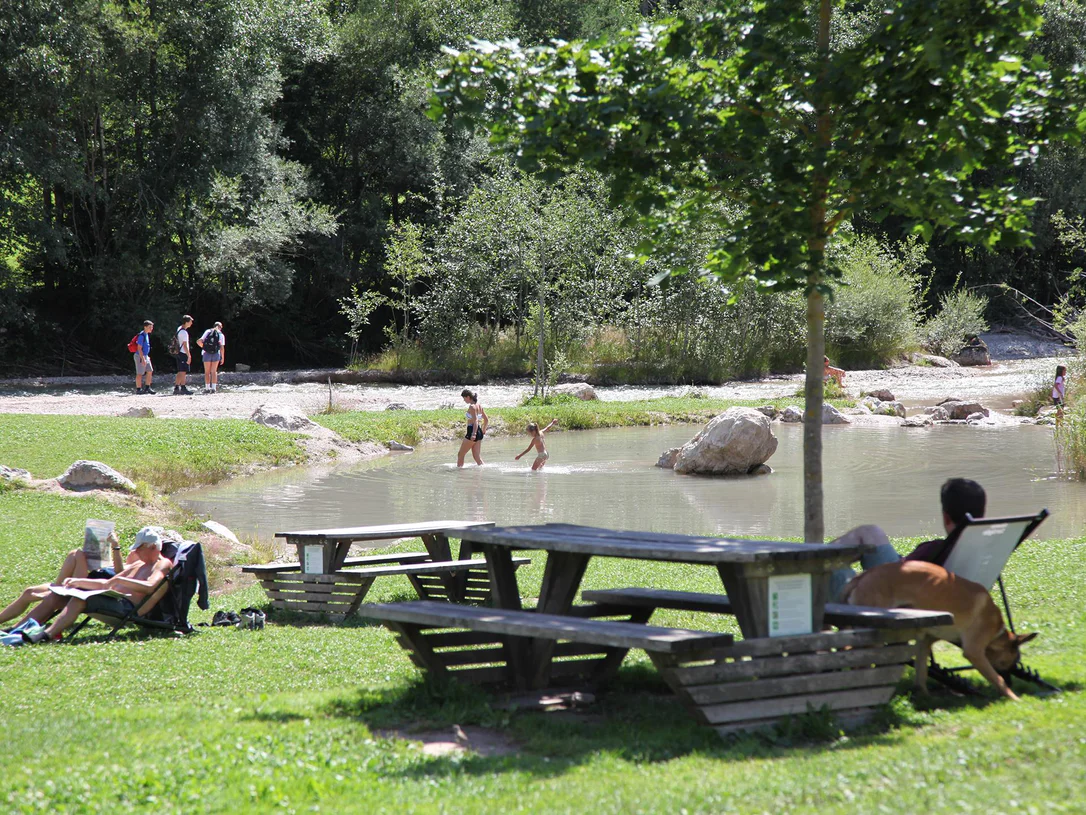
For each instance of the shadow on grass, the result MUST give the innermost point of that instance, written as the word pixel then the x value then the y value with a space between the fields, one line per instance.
pixel 638 720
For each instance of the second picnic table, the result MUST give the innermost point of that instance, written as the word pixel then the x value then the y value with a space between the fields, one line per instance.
pixel 324 579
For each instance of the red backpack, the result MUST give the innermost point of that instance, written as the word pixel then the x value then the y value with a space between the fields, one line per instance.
pixel 134 344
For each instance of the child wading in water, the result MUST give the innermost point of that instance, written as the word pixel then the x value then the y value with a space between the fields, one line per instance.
pixel 539 444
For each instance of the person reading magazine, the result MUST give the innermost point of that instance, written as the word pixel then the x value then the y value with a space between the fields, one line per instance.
pixel 72 595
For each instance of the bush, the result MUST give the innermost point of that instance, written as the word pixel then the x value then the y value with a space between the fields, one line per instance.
pixel 875 309
pixel 961 315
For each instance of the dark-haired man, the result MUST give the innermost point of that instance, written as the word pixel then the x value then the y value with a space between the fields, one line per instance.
pixel 959 497
pixel 183 358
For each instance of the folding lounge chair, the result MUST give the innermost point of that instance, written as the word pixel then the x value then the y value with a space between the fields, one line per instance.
pixel 979 549
pixel 166 608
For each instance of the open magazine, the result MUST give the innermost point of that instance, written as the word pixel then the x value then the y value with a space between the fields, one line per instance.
pixel 83 594
pixel 95 543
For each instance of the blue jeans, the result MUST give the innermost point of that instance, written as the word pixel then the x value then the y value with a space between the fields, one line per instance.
pixel 869 560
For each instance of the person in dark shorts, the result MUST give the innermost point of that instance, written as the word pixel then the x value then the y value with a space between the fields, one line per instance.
pixel 183 357
pixel 478 422
pixel 147 569
pixel 959 497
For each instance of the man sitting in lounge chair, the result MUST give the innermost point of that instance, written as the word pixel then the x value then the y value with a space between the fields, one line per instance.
pixel 143 573
pixel 959 497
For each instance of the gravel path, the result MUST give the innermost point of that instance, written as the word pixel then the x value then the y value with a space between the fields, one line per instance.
pixel 1009 376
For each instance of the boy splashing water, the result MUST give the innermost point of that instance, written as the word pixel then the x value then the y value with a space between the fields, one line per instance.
pixel 539 444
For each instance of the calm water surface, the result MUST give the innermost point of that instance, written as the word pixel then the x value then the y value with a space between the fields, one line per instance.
pixel 889 476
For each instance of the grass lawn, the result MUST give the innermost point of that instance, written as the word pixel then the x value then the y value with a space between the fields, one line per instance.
pixel 413 426
pixel 287 719
pixel 166 453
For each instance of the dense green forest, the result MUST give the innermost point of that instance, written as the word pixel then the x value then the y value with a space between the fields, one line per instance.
pixel 271 164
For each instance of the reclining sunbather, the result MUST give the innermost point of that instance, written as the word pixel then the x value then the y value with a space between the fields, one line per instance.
pixel 145 570
pixel 959 497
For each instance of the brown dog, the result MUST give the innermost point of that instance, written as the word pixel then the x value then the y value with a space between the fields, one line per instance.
pixel 978 626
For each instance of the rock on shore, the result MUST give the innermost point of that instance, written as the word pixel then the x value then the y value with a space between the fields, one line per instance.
pixel 87 475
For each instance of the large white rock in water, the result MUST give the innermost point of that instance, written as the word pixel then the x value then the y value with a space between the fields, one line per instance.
pixel 736 442
pixel 83 475
pixel 582 390
pixel 282 417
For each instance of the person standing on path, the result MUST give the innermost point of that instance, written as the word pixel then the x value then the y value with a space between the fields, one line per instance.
pixel 213 344
pixel 183 357
pixel 478 422
pixel 142 357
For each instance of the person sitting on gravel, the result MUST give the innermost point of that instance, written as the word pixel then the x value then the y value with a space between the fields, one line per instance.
pixel 142 572
pixel 829 372
pixel 959 497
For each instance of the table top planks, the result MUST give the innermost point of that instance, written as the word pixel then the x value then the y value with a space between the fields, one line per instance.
pixel 587 540
pixel 381 531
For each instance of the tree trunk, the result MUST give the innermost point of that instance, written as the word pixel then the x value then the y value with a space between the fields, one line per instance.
pixel 540 381
pixel 814 528
pixel 813 523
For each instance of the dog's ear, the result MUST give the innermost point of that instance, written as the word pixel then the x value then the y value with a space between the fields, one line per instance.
pixel 1024 638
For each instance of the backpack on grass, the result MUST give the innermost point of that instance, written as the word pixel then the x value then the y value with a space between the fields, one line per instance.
pixel 134 344
pixel 211 342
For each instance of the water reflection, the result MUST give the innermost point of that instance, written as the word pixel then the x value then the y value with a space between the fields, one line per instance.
pixel 890 476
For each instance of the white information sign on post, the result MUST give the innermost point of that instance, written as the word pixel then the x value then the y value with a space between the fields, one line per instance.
pixel 790 605
pixel 314 559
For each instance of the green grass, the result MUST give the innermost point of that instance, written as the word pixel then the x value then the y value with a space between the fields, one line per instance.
pixel 287 719
pixel 414 426
pixel 167 453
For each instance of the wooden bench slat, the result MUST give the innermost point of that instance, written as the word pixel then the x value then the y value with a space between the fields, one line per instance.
pixel 836 613
pixel 368 560
pixel 546 626
pixel 429 567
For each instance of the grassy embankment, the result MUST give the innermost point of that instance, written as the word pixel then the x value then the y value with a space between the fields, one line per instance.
pixel 287 718
pixel 415 426
pixel 166 454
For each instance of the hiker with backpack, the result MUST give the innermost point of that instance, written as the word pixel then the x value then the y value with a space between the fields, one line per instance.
pixel 181 351
pixel 140 347
pixel 213 344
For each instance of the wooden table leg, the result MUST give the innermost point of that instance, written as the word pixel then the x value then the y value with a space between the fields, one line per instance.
pixel 505 593
pixel 747 586
pixel 438 547
pixel 561 580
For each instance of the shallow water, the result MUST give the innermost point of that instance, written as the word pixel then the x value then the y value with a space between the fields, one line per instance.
pixel 889 476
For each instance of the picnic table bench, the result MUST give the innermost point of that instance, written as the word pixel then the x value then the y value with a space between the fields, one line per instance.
pixel 422 627
pixel 325 580
pixel 777 592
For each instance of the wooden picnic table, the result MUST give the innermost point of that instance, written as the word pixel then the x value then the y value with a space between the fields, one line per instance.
pixel 325 580
pixel 786 663
pixel 336 543
pixel 751 571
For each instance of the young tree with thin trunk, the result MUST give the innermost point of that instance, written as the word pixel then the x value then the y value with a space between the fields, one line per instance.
pixel 915 113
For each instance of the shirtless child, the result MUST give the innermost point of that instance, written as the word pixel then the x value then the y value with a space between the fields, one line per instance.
pixel 539 444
